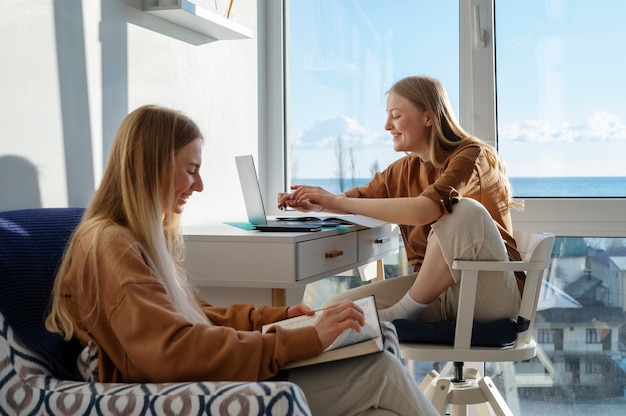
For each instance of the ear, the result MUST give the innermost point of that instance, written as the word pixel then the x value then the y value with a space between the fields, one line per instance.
pixel 428 122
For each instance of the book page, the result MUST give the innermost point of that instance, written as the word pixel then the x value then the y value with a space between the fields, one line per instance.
pixel 297 322
pixel 370 330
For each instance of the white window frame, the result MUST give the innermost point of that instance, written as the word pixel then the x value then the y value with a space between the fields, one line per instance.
pixel 567 217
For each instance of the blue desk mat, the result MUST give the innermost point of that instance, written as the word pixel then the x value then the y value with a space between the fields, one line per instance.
pixel 244 225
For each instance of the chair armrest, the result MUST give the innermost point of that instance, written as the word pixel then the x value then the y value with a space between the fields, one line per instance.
pixel 194 398
pixel 467 297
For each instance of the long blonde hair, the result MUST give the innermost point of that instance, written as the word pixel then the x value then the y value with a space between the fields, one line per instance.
pixel 138 178
pixel 446 134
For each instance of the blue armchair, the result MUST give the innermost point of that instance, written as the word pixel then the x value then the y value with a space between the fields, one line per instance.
pixel 39 374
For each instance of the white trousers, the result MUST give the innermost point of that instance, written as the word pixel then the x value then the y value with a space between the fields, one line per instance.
pixel 377 384
pixel 468 233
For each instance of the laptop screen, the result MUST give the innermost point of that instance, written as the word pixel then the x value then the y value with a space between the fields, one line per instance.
pixel 251 190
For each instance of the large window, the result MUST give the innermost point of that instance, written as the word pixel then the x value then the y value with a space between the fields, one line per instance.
pixel 546 90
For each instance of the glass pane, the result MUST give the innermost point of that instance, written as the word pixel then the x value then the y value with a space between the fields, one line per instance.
pixel 560 96
pixel 343 56
pixel 580 365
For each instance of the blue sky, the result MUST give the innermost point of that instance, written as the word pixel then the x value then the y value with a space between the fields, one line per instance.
pixel 561 103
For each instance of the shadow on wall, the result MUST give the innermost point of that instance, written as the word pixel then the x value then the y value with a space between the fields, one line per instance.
pixel 19 184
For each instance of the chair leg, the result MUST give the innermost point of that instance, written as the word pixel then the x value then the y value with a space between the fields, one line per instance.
pixel 494 397
pixel 483 409
pixel 427 386
pixel 511 392
pixel 441 395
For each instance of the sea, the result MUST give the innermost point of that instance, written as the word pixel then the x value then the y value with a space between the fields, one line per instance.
pixel 523 187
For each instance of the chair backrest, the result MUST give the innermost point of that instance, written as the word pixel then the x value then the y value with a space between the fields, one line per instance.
pixel 535 249
pixel 32 242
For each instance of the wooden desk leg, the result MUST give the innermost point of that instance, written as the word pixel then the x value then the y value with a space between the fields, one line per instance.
pixel 380 271
pixel 279 297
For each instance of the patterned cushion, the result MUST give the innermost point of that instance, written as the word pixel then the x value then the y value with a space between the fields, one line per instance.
pixel 28 387
pixel 87 362
pixel 391 341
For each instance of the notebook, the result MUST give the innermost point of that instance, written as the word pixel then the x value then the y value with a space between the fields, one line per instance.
pixel 256 209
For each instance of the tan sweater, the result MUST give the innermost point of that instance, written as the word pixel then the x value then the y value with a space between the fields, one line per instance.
pixel 465 173
pixel 141 337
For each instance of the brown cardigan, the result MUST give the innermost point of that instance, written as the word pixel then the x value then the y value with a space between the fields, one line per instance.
pixel 141 337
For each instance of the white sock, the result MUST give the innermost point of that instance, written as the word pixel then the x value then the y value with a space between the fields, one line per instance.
pixel 406 308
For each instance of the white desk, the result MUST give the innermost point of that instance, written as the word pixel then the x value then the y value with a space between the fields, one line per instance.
pixel 224 256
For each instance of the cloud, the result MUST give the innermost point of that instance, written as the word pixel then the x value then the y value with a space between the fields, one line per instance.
pixel 598 127
pixel 324 133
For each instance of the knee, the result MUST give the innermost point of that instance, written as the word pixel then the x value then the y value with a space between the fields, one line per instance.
pixel 387 364
pixel 467 214
pixel 468 207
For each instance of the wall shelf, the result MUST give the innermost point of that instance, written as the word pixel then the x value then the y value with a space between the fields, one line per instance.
pixel 195 17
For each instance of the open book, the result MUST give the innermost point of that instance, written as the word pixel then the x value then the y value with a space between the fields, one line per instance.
pixel 349 344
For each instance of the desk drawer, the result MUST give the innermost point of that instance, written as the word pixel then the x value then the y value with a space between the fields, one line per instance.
pixel 325 254
pixel 375 241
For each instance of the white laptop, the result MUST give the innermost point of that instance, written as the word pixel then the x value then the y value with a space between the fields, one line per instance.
pixel 256 210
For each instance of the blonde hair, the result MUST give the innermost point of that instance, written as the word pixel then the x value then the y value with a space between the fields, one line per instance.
pixel 138 178
pixel 446 134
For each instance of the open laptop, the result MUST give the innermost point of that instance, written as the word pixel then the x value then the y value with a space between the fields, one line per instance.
pixel 256 209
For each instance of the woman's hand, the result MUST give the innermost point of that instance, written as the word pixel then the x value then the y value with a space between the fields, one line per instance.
pixel 309 198
pixel 286 200
pixel 337 318
pixel 298 310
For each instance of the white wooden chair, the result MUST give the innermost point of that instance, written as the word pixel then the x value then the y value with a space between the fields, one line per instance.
pixel 469 387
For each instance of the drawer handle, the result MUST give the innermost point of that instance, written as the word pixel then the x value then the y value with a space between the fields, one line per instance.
pixel 381 240
pixel 334 253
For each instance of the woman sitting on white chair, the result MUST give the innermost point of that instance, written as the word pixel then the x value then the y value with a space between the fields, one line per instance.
pixel 450 196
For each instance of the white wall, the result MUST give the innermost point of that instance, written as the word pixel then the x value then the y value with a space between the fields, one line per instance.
pixel 71 70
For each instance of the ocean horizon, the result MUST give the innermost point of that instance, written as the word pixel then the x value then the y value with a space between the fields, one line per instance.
pixel 558 187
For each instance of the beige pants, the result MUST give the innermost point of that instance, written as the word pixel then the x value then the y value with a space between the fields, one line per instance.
pixel 376 384
pixel 468 233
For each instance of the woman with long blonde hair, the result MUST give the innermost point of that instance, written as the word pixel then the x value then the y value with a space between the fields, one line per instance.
pixel 451 198
pixel 122 286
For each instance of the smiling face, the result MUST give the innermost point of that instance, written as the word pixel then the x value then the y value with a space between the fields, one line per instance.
pixel 408 125
pixel 186 174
